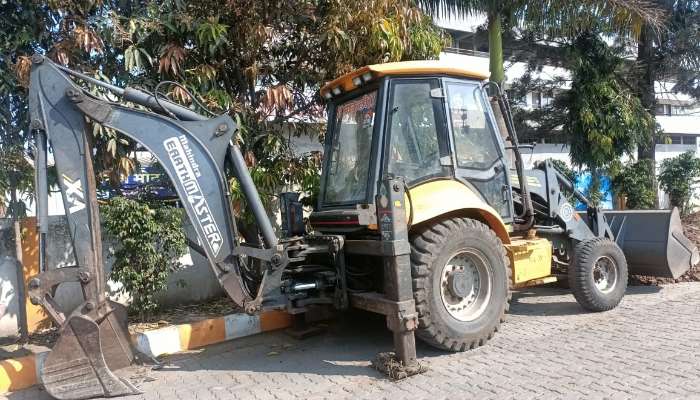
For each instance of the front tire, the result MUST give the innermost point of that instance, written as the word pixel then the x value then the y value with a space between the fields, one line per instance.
pixel 598 274
pixel 460 283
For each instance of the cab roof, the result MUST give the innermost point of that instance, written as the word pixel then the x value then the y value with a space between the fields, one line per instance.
pixel 349 82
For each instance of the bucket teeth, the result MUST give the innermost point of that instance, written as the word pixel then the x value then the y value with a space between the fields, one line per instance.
pixel 76 368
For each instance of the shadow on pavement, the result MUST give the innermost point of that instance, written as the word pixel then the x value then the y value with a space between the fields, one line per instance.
pixel 635 290
pixel 346 349
pixel 566 305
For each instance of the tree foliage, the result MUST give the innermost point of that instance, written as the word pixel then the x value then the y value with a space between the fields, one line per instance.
pixel 264 63
pixel 261 62
pixel 676 47
pixel 550 18
pixel 669 54
pixel 677 176
pixel 16 174
pixel 149 242
pixel 605 120
pixel 563 168
pixel 666 52
pixel 536 123
pixel 636 183
pixel 600 117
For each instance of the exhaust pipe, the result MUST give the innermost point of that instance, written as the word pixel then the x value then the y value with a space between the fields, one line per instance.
pixel 653 242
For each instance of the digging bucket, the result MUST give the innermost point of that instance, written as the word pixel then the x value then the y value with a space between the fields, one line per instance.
pixel 653 242
pixel 80 364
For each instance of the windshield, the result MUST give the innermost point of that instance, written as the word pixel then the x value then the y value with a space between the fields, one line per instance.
pixel 351 145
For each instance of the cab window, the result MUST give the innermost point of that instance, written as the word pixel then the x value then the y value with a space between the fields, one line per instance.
pixel 414 126
pixel 350 149
pixel 474 137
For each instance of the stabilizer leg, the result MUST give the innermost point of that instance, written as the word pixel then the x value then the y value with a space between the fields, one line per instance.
pixel 398 304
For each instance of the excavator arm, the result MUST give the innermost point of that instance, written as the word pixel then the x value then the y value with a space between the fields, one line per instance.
pixel 194 151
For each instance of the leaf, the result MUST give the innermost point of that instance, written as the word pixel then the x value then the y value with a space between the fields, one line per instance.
pixel 172 58
pixel 112 147
pixel 148 56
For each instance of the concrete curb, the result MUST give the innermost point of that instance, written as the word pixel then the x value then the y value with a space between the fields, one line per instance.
pixel 176 338
pixel 23 372
pixel 19 373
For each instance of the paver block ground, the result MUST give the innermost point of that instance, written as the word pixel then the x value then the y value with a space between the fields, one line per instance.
pixel 549 348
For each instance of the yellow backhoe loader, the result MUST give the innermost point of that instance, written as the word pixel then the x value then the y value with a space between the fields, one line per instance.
pixel 426 215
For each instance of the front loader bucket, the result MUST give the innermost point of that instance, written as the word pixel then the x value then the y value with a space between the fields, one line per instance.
pixel 653 242
pixel 81 362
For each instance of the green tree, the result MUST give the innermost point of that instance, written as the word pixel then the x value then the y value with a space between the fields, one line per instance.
pixel 676 178
pixel 58 30
pixel 562 167
pixel 679 49
pixel 604 119
pixel 270 79
pixel 261 62
pixel 600 116
pixel 636 184
pixel 669 54
pixel 149 242
pixel 19 33
pixel 550 18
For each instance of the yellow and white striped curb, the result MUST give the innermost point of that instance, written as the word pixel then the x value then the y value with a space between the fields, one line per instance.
pixel 20 373
pixel 174 339
pixel 23 372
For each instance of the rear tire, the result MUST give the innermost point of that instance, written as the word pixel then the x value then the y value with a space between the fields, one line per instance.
pixel 460 283
pixel 598 274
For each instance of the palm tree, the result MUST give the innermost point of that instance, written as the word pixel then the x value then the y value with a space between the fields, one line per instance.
pixel 550 17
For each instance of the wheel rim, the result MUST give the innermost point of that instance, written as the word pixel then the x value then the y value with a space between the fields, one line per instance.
pixel 605 274
pixel 465 285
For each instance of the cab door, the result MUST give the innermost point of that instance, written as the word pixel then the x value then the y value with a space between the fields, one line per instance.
pixel 478 149
pixel 417 147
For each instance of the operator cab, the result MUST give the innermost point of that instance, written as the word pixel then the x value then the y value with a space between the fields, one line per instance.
pixel 421 120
